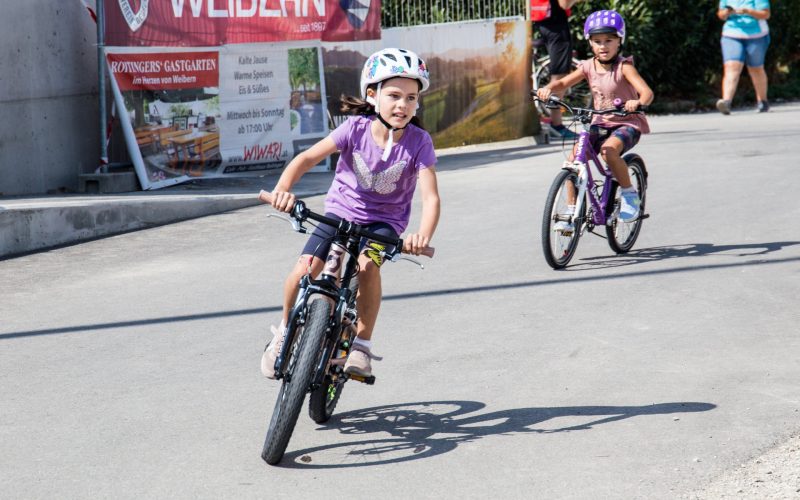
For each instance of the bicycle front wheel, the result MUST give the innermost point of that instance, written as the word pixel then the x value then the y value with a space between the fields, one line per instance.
pixel 622 235
pixel 296 382
pixel 323 399
pixel 559 242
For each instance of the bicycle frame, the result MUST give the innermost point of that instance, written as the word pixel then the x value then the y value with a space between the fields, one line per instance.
pixel 587 187
pixel 332 284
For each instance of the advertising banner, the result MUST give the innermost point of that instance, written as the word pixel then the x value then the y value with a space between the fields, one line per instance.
pixel 204 23
pixel 215 112
pixel 480 78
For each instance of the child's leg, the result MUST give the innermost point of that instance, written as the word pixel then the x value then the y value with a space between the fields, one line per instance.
pixel 572 192
pixel 291 285
pixel 369 296
pixel 611 151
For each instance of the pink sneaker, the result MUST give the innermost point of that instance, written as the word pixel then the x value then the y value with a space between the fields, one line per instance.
pixel 272 350
pixel 358 362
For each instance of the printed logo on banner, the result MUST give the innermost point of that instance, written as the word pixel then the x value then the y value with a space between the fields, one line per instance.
pixel 356 10
pixel 136 19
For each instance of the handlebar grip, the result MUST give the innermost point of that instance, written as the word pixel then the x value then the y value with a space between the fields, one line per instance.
pixel 428 251
pixel 265 197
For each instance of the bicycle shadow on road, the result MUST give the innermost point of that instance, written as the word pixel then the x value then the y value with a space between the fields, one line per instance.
pixel 427 429
pixel 643 255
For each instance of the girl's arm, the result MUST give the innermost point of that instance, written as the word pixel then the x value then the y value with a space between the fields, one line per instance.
pixel 560 84
pixel 429 189
pixel 566 4
pixel 282 198
pixel 645 93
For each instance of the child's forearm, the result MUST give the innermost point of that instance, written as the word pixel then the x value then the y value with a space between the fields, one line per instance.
pixel 646 98
pixel 556 85
pixel 430 216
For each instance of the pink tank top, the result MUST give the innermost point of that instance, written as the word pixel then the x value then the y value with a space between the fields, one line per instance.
pixel 609 86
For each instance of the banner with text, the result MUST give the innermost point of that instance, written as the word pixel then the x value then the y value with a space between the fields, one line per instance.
pixel 204 23
pixel 236 109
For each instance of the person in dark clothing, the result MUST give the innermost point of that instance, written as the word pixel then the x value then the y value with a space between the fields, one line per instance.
pixel 554 30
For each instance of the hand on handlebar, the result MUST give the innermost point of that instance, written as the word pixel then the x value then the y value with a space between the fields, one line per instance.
pixel 283 201
pixel 415 244
pixel 632 105
pixel 544 93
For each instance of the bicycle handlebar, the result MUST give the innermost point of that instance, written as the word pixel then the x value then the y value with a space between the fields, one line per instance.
pixel 300 213
pixel 617 110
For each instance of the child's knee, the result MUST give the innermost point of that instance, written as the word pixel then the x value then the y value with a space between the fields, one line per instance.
pixel 368 269
pixel 301 267
pixel 609 153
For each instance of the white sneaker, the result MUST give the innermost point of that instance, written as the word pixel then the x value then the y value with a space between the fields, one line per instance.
pixel 629 206
pixel 565 227
pixel 272 350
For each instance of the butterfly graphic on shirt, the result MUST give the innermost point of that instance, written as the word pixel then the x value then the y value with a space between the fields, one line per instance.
pixel 383 182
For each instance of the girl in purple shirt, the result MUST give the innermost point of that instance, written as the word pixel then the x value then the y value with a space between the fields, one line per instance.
pixel 383 154
pixel 610 77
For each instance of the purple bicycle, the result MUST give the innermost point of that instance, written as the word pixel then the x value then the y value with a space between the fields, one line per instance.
pixel 595 200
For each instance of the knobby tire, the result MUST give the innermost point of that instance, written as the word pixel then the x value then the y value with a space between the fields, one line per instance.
pixel 322 400
pixel 293 389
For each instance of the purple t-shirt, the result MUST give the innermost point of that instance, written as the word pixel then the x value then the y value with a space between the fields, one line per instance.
pixel 366 189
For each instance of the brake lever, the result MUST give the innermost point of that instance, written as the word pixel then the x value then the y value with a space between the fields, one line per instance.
pixel 296 224
pixel 396 257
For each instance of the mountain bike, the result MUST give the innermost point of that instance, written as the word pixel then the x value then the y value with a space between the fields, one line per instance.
pixel 596 201
pixel 578 95
pixel 321 327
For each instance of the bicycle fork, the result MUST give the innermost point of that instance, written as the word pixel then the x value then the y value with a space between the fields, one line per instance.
pixel 580 169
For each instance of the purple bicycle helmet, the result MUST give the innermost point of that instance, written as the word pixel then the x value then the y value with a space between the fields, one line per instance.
pixel 604 21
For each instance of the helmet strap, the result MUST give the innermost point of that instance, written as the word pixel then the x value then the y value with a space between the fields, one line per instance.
pixel 390 142
pixel 610 62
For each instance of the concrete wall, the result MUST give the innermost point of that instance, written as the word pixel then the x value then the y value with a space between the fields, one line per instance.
pixel 49 125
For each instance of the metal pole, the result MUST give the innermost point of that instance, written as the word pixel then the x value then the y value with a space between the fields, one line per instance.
pixel 101 83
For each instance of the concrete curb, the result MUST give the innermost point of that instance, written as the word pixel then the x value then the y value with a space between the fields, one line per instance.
pixel 25 229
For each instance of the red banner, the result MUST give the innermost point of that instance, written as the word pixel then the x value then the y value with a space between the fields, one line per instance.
pixel 197 23
pixel 165 71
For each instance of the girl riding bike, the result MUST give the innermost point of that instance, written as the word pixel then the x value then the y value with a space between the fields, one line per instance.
pixel 611 76
pixel 383 151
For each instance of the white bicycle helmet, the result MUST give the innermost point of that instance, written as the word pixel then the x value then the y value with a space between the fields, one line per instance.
pixel 391 63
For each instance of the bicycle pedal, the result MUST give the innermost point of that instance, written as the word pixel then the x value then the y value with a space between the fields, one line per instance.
pixel 644 216
pixel 364 380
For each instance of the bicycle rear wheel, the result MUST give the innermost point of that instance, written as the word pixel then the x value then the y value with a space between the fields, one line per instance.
pixel 323 399
pixel 303 360
pixel 559 245
pixel 579 95
pixel 622 235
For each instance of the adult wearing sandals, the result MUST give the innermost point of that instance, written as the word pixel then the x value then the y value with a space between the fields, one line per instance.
pixel 745 38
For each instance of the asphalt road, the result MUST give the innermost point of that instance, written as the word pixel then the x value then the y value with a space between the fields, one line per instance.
pixel 129 365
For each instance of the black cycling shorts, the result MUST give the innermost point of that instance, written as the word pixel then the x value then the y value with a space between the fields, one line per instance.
pixel 559 46
pixel 319 242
